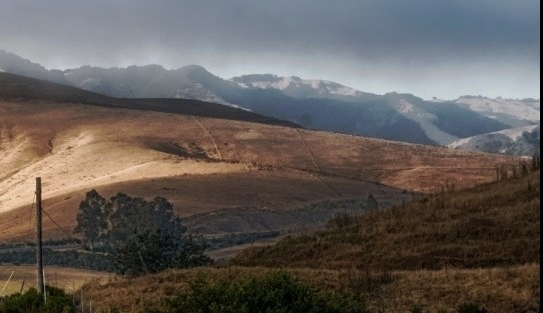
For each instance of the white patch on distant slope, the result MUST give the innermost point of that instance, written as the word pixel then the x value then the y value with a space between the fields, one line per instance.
pixel 89 83
pixel 283 83
pixel 459 143
pixel 207 96
pixel 516 133
pixel 526 110
pixel 314 83
pixel 508 141
pixel 424 119
pixel 405 107
pixel 512 133
pixel 345 91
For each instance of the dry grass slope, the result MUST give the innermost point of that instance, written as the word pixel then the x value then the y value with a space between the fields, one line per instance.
pixel 495 224
pixel 500 290
pixel 24 277
pixel 479 245
pixel 201 164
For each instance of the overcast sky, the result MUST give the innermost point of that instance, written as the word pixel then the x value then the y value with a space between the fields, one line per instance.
pixel 431 48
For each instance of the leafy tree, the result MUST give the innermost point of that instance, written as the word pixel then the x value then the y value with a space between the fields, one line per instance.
pixel 141 236
pixel 125 218
pixel 132 216
pixel 92 218
pixel 155 250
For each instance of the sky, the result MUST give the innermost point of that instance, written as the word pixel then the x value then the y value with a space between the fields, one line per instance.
pixel 430 48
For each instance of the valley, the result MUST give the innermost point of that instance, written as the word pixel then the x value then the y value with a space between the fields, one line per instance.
pixel 203 164
pixel 270 156
pixel 266 193
pixel 312 103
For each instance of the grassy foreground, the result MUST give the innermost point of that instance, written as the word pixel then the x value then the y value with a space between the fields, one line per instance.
pixel 24 278
pixel 511 289
pixel 479 246
pixel 495 224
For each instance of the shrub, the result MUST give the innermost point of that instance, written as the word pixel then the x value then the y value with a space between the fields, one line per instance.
pixel 471 308
pixel 32 302
pixel 277 292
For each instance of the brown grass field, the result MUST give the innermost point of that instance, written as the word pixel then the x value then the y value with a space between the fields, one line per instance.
pixel 505 290
pixel 446 233
pixel 24 277
pixel 495 224
pixel 201 164
pixel 479 245
pixel 499 222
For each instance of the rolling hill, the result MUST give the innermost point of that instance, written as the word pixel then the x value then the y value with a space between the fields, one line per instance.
pixel 496 224
pixel 478 246
pixel 442 231
pixel 312 103
pixel 201 164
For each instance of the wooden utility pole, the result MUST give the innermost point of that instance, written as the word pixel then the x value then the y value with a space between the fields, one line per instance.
pixel 39 254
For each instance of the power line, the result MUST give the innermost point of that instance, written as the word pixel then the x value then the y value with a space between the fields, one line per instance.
pixel 62 229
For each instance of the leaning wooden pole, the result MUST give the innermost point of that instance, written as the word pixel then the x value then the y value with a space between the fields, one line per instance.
pixel 39 253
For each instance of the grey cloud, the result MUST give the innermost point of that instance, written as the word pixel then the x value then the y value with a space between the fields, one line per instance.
pixel 394 32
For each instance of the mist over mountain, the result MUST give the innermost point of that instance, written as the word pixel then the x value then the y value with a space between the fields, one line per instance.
pixel 521 141
pixel 296 87
pixel 312 103
pixel 513 112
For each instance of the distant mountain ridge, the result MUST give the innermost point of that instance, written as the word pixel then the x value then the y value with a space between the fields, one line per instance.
pixel 513 112
pixel 317 104
pixel 296 87
pixel 521 141
pixel 22 88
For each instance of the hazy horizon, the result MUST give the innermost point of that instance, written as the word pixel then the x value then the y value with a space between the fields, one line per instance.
pixel 428 48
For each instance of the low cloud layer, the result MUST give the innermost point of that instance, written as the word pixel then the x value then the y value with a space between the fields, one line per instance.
pixel 426 47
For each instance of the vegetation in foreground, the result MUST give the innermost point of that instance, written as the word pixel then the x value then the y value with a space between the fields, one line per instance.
pixel 496 224
pixel 271 292
pixel 499 221
pixel 500 290
pixel 32 302
pixel 274 292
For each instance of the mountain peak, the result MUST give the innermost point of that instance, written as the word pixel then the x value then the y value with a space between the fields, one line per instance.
pixel 297 87
pixel 193 68
pixel 255 77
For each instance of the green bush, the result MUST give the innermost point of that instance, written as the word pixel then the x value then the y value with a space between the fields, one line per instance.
pixel 417 309
pixel 32 302
pixel 471 308
pixel 277 292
